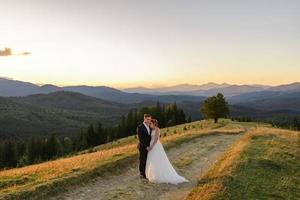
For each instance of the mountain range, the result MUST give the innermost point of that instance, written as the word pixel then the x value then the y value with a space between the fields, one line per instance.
pixel 182 92
pixel 12 88
pixel 210 89
pixel 27 109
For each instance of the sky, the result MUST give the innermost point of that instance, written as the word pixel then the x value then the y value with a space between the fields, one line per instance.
pixel 127 43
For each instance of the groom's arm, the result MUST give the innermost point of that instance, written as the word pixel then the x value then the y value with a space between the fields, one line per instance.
pixel 141 136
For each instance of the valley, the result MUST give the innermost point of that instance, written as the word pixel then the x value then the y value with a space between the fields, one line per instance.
pixel 49 109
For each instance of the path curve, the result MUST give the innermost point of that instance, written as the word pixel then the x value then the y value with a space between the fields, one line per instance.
pixel 190 159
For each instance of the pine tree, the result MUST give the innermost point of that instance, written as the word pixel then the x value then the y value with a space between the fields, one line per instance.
pixel 81 141
pixel 180 117
pixel 105 135
pixel 33 150
pixel 158 112
pixel 21 149
pixel 295 123
pixel 129 123
pixel 54 147
pixel 67 145
pixel 1 155
pixel 122 128
pixel 101 134
pixel 9 154
pixel 189 120
pixel 91 136
pixel 135 120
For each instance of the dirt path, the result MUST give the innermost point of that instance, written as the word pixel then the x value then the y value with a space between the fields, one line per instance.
pixel 190 159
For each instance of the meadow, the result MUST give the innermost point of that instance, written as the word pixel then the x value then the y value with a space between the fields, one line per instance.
pixel 263 164
pixel 56 176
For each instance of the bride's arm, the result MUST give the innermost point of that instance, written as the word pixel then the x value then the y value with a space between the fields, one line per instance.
pixel 155 138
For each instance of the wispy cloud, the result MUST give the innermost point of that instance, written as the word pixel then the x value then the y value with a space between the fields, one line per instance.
pixel 8 52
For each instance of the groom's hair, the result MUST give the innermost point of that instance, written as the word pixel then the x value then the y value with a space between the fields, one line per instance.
pixel 147 115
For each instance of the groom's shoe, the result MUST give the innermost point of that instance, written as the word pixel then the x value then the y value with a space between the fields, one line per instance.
pixel 143 177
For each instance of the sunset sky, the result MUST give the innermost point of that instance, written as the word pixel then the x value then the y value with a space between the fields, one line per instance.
pixel 126 43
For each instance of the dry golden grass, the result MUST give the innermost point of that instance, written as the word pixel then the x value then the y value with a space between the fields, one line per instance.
pixel 212 184
pixel 206 192
pixel 29 178
pixel 46 172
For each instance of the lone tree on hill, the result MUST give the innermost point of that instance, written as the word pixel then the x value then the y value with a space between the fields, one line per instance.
pixel 215 107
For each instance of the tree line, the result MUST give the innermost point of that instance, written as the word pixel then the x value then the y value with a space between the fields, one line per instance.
pixel 292 123
pixel 39 149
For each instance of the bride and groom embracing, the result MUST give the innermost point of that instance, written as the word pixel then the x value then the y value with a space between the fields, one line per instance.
pixel 154 163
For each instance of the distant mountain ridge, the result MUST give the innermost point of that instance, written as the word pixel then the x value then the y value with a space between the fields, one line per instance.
pixel 182 88
pixel 12 88
pixel 9 87
pixel 293 87
pixel 211 89
pixel 180 93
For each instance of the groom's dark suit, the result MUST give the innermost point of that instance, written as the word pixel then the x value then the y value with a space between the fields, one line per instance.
pixel 144 142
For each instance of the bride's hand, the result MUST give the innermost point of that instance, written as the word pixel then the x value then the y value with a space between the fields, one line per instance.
pixel 149 148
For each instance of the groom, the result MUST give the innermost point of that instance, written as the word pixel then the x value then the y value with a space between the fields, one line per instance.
pixel 144 135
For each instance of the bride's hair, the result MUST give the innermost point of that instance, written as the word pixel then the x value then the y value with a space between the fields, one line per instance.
pixel 155 122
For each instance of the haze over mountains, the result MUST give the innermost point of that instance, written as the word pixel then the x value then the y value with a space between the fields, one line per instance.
pixel 207 89
pixel 27 108
pixel 10 87
pixel 179 93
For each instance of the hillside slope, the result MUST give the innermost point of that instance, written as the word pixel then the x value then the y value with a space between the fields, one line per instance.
pixel 264 164
pixel 57 113
pixel 110 162
pixel 23 120
pixel 73 101
pixel 10 87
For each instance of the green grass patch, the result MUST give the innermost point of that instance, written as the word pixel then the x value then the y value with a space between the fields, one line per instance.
pixel 268 167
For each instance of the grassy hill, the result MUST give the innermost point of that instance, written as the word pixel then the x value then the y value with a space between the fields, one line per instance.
pixel 40 180
pixel 264 164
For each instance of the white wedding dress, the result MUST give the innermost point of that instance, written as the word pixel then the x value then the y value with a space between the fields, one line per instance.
pixel 158 167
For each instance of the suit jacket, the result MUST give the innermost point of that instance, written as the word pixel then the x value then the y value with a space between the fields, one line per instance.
pixel 144 137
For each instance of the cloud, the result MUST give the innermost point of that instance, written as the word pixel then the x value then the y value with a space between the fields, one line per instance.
pixel 8 52
pixel 24 54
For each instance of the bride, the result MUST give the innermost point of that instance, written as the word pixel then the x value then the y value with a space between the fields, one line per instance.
pixel 158 167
